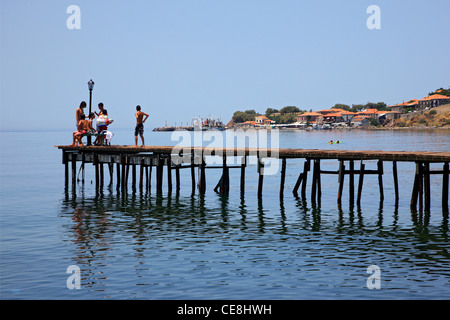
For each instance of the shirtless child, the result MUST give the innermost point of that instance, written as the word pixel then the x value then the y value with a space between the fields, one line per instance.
pixel 139 125
pixel 83 127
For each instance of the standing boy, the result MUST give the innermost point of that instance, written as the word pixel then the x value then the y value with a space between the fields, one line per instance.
pixel 139 125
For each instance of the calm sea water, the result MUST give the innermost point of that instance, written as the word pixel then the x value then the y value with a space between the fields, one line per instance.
pixel 182 246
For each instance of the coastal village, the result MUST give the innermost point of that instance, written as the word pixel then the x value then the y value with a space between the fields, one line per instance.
pixel 431 111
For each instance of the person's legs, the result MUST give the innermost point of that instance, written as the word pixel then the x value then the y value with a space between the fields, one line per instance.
pixel 142 138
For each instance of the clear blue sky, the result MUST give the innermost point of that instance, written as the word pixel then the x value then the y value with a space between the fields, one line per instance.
pixel 183 58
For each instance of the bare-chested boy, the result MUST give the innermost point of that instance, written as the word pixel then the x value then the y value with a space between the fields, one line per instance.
pixel 139 125
pixel 83 127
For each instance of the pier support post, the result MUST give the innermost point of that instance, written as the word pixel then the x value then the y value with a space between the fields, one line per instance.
pixel 74 169
pixel 341 180
pixel 133 176
pixel 141 175
pixel 283 177
pixel 426 185
pixel 118 175
pixel 352 183
pixel 416 192
pixel 169 173
pixel 243 165
pixel 65 161
pixel 445 188
pixel 177 177
pixel 316 188
pixel 302 179
pixel 360 183
pixel 380 179
pixel 193 173
pixel 102 175
pixel 97 175
pixel 394 172
pixel 123 160
pixel 202 180
pixel 260 176
pixel 225 183
pixel 306 168
pixel 159 174
pixel 111 172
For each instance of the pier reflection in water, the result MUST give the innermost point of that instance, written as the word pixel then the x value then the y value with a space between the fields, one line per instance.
pixel 158 246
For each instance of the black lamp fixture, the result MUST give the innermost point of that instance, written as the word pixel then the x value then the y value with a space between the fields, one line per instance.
pixel 91 87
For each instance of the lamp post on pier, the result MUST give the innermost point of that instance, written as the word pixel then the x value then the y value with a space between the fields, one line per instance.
pixel 91 87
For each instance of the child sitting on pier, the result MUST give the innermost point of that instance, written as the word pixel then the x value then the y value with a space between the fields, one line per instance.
pixel 102 125
pixel 84 126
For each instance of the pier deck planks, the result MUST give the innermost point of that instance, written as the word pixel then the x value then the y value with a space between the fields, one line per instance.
pixel 410 156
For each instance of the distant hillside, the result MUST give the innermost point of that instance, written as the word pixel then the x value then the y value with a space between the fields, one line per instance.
pixel 436 117
pixel 444 92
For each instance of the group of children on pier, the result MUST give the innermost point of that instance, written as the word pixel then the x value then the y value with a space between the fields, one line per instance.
pixel 104 136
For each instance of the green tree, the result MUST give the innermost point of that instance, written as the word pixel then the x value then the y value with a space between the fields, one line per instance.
pixel 289 109
pixel 287 118
pixel 341 106
pixel 248 115
pixel 270 111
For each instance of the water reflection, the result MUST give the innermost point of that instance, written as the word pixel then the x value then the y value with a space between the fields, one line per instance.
pixel 151 230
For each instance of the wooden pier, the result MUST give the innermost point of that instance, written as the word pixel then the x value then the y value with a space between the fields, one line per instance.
pixel 160 157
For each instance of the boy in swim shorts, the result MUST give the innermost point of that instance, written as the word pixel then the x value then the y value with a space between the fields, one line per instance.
pixel 139 130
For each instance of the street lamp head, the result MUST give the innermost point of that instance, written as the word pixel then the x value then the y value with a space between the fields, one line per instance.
pixel 91 85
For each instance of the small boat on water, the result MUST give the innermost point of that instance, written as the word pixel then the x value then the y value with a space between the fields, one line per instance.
pixel 198 123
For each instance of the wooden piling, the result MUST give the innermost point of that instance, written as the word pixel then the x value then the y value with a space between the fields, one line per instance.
pixel 124 173
pixel 202 180
pixel 394 173
pixel 416 186
pixel 111 172
pixel 133 176
pixel 352 183
pixel 341 181
pixel 74 169
pixel 169 173
pixel 306 169
pixel 102 175
pixel 97 174
pixel 193 173
pixel 314 182
pixel 243 165
pixel 65 161
pixel 380 179
pixel 260 177
pixel 159 174
pixel 360 183
pixel 141 175
pixel 177 177
pixel 426 185
pixel 445 188
pixel 225 181
pixel 118 175
pixel 283 177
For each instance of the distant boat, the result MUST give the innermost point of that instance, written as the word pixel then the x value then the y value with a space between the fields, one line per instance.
pixel 198 123
pixel 209 123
